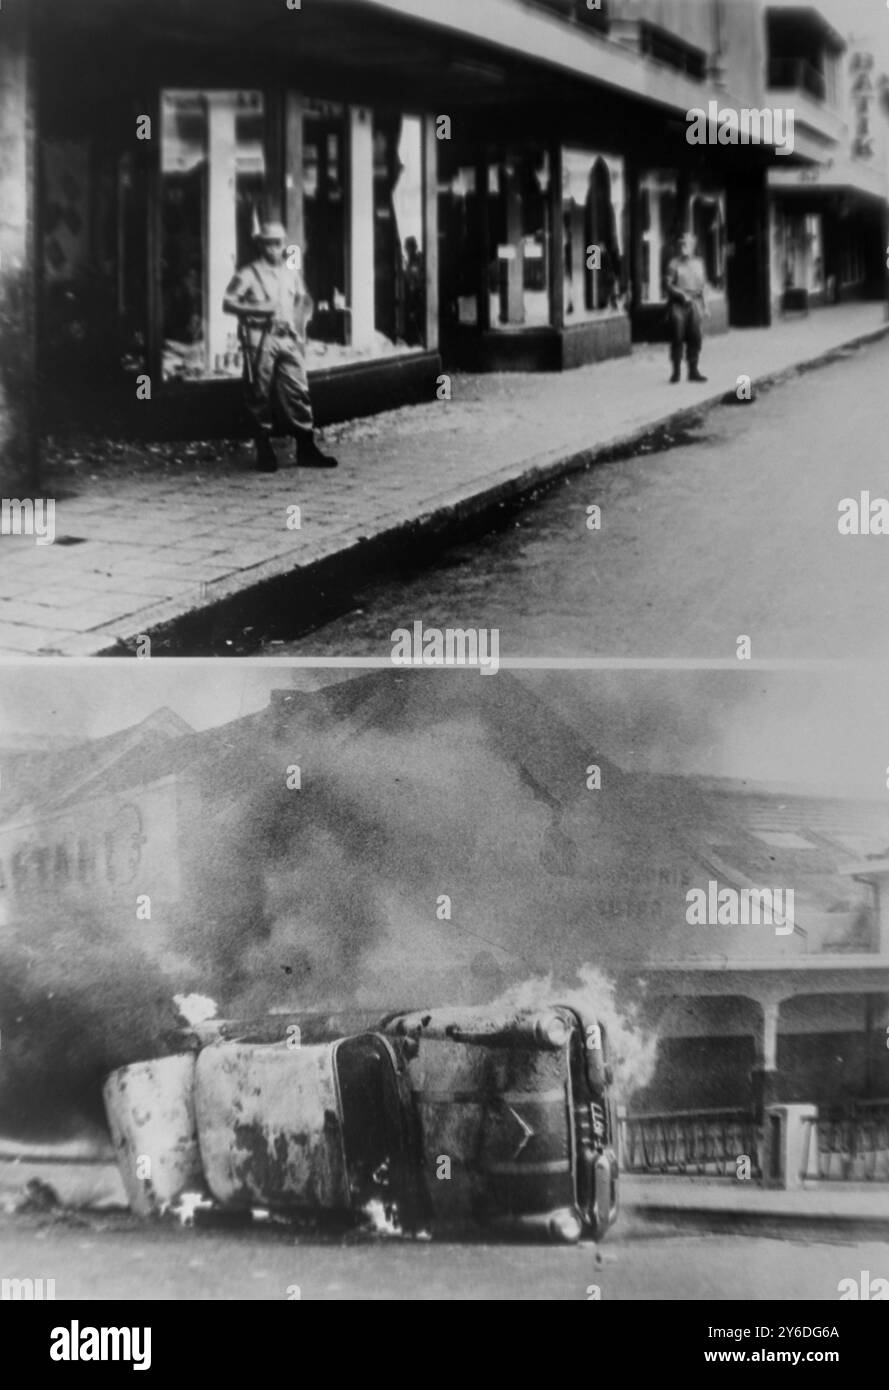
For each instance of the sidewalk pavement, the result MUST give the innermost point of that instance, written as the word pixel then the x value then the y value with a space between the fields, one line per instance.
pixel 147 534
pixel 861 1207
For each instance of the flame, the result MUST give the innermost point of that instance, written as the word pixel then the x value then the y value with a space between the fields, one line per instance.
pixel 631 1045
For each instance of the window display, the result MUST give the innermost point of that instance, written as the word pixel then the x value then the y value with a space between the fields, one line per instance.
pixel 399 265
pixel 519 234
pixel 459 251
pixel 213 183
pixel 595 233
pixel 325 228
pixel 707 223
pixel 658 198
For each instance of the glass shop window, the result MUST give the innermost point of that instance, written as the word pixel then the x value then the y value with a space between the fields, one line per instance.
pixel 213 183
pixel 707 225
pixel 594 225
pixel 325 229
pixel 519 240
pixel 797 258
pixel 130 233
pixel 660 231
pixel 459 251
pixel 399 253
pixel 816 245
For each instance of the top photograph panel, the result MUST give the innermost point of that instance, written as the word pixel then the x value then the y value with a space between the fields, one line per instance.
pixel 543 328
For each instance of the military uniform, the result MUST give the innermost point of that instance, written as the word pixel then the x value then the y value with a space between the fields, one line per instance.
pixel 279 391
pixel 278 385
pixel 686 280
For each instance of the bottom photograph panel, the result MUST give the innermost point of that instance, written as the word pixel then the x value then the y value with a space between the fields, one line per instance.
pixel 427 985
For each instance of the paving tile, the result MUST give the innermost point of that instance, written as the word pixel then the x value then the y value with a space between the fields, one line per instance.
pixel 20 638
pixel 154 537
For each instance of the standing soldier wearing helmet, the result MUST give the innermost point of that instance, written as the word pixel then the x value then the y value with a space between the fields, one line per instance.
pixel 270 299
pixel 686 283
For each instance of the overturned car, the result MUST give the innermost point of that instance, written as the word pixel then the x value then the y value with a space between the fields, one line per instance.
pixel 449 1120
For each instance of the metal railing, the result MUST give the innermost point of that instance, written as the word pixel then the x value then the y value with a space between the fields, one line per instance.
pixel 797 74
pixel 690 1142
pixel 852 1146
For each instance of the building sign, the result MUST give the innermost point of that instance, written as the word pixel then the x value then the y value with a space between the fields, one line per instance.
pixel 863 98
pixel 100 852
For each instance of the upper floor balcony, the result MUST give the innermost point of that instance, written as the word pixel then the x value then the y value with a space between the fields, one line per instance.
pixel 804 54
pixel 796 74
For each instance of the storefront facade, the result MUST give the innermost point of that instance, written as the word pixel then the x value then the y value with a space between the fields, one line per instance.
pixel 155 169
pixel 827 221
pixel 482 194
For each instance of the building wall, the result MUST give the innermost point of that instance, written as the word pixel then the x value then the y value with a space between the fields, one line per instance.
pixel 739 22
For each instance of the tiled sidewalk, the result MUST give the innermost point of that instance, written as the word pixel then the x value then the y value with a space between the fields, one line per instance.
pixel 170 533
pixel 865 1203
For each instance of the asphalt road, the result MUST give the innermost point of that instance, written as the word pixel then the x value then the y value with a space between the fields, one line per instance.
pixel 113 1257
pixel 734 531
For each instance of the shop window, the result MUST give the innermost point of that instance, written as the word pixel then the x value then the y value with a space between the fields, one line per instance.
pixel 594 226
pixel 325 229
pixel 802 254
pixel 94 258
pixel 519 240
pixel 660 231
pixel 399 252
pixel 131 206
pixel 459 251
pixel 706 222
pixel 213 182
pixel 816 250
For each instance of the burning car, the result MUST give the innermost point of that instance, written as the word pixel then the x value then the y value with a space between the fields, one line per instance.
pixel 449 1120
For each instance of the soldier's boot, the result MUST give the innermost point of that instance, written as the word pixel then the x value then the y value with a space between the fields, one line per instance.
pixel 308 455
pixel 266 459
pixel 693 373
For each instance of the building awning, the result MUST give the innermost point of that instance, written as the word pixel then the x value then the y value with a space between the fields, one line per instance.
pixel 862 973
pixel 830 177
pixel 467 52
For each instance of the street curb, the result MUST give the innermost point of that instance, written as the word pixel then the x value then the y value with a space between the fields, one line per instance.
pixel 278 578
pixel 744 1220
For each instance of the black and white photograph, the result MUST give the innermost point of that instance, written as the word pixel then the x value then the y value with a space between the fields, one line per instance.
pixel 444 655
pixel 444 977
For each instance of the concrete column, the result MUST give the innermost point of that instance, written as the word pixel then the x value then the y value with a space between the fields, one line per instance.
pixel 361 226
pixel 769 1041
pixel 18 267
pixel 764 1078
pixel 790 1143
pixel 222 232
pixel 430 228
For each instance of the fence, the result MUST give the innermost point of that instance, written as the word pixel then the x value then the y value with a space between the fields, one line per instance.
pixel 852 1146
pixel 690 1142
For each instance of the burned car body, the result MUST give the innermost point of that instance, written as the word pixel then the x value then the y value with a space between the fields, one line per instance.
pixel 452 1119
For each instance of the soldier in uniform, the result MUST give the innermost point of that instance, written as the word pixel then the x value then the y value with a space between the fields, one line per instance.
pixel 686 283
pixel 271 299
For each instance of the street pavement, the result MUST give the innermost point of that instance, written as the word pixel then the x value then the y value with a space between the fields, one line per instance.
pixel 113 1257
pixel 146 535
pixel 724 529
